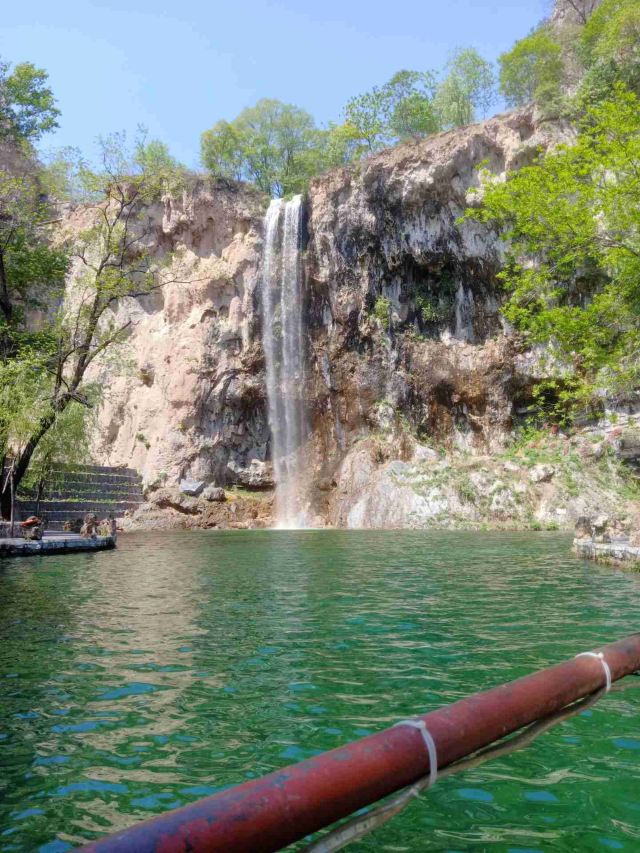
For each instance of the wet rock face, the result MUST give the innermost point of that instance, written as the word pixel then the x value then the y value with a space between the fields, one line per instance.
pixel 191 402
pixel 390 229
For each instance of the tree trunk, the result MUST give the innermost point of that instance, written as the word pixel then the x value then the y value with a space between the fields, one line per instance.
pixel 12 495
pixel 23 460
pixel 5 301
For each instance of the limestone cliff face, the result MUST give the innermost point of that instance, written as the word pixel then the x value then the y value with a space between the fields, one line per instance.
pixel 390 229
pixel 184 397
pixel 188 398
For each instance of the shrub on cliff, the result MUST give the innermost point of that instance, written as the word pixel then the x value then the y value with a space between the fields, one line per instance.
pixel 382 311
pixel 609 48
pixel 532 70
pixel 279 148
pixel 585 57
pixel 573 261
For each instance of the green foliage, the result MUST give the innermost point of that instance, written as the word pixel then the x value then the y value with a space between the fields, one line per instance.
pixel 382 311
pixel 29 266
pixel 467 89
pixel 409 103
pixel 279 148
pixel 532 70
pixel 141 437
pixel 612 32
pixel 222 151
pixel 27 105
pixel 44 373
pixel 163 174
pixel 66 441
pixel 274 145
pixel 152 170
pixel 401 108
pixel 365 114
pixel 465 489
pixel 429 309
pixel 609 47
pixel 338 145
pixel 575 212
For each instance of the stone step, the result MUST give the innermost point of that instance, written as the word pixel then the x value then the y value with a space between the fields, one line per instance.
pixel 88 477
pixel 86 488
pixel 91 494
pixel 71 493
pixel 76 508
pixel 97 469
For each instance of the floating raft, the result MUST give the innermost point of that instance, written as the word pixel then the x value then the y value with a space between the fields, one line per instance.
pixel 54 543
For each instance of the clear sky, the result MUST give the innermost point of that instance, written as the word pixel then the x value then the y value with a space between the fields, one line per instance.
pixel 177 66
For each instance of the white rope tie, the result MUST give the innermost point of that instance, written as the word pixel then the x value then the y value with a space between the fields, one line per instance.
pixel 599 656
pixel 430 745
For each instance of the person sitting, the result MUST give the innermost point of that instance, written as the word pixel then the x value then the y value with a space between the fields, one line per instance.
pixel 89 528
pixel 32 528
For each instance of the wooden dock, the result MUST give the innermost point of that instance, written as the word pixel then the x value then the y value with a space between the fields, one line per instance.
pixel 54 543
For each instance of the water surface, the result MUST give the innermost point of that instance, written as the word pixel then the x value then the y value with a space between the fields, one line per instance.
pixel 139 680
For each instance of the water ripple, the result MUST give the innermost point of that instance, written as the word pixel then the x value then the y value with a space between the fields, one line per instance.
pixel 139 680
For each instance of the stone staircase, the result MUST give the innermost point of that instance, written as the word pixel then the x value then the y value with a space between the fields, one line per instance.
pixel 70 494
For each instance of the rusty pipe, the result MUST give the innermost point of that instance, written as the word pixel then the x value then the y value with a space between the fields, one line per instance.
pixel 269 813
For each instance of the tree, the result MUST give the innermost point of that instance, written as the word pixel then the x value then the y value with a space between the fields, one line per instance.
pixel 111 261
pixel 222 151
pixel 609 47
pixel 573 262
pixel 468 88
pixel 29 265
pixel 27 262
pixel 366 114
pixel 409 104
pixel 612 32
pixel 163 173
pixel 401 108
pixel 31 269
pixel 532 70
pixel 269 144
pixel 27 105
pixel 339 145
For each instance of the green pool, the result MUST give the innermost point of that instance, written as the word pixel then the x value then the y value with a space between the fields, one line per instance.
pixel 138 680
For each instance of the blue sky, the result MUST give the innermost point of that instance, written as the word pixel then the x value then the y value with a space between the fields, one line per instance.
pixel 177 67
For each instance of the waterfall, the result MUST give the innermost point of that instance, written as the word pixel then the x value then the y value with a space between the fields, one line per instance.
pixel 283 342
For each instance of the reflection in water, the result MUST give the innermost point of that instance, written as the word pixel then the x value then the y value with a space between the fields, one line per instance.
pixel 138 680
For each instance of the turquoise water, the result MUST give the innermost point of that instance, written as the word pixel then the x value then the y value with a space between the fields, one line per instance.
pixel 139 680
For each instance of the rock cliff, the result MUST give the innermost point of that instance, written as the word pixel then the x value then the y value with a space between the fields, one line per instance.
pixel 405 345
pixel 389 230
pixel 185 397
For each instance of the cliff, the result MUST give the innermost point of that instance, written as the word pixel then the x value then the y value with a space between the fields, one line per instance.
pixel 185 396
pixel 434 368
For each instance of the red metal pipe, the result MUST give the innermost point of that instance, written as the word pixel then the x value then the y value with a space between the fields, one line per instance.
pixel 269 813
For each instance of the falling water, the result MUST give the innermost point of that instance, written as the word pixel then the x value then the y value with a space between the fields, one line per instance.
pixel 284 353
